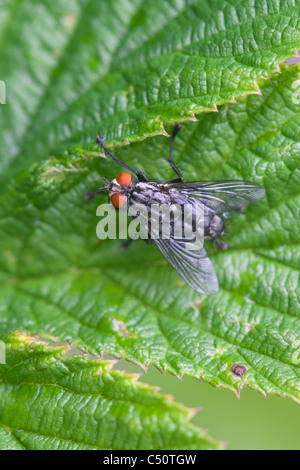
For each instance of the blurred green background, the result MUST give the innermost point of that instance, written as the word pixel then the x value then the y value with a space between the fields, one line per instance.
pixel 251 422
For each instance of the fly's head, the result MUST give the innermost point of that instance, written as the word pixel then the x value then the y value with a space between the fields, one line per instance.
pixel 119 189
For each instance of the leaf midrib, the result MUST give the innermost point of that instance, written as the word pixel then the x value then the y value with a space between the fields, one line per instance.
pixel 8 429
pixel 157 405
pixel 202 436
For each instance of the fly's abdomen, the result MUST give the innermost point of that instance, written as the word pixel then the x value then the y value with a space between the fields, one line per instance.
pixel 214 226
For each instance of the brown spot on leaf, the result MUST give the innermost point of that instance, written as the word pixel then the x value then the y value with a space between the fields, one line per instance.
pixel 197 305
pixel 250 326
pixel 121 329
pixel 179 282
pixel 238 370
pixel 69 22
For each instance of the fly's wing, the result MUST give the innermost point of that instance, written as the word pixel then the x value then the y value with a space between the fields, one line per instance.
pixel 193 266
pixel 221 196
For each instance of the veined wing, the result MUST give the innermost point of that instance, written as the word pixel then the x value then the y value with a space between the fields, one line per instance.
pixel 221 196
pixel 193 266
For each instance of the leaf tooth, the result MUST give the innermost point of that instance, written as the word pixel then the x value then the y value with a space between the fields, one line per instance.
pixel 111 363
pixel 193 411
pixel 162 127
pixel 213 109
pixel 136 376
pixel 257 90
pixel 223 445
pixel 164 132
pixel 277 70
pixel 145 366
pixel 79 350
pixel 238 391
pixel 170 398
pixel 104 366
pixel 161 369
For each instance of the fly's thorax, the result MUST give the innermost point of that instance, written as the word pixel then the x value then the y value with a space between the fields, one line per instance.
pixel 157 193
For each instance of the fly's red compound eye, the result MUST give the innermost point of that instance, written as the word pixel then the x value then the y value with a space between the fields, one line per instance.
pixel 118 200
pixel 124 179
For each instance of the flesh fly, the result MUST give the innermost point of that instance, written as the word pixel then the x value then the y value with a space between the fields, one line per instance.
pixel 216 199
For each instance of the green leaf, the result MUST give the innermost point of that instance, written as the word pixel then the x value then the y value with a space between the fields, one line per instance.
pixel 58 278
pixel 126 68
pixel 52 400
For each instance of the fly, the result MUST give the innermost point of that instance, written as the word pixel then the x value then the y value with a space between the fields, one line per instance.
pixel 216 199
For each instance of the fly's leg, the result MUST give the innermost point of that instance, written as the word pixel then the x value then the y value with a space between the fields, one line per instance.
pixel 91 194
pixel 141 176
pixel 127 244
pixel 176 129
pixel 222 245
